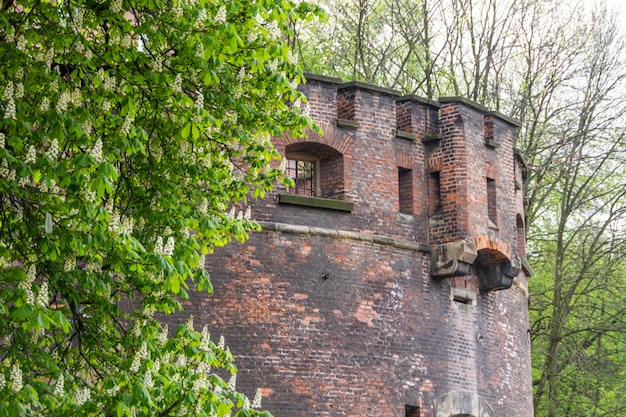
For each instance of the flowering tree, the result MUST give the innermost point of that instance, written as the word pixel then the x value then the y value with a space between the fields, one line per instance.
pixel 128 132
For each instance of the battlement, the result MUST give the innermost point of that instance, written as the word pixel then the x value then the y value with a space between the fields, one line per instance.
pixel 410 168
pixel 390 281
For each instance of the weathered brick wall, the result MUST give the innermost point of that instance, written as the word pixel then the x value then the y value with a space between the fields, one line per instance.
pixel 335 313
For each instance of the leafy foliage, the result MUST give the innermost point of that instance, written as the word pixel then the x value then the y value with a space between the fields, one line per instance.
pixel 129 130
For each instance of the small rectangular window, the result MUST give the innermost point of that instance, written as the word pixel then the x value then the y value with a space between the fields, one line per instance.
pixel 412 410
pixel 405 190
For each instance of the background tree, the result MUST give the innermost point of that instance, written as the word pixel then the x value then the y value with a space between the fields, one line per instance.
pixel 128 131
pixel 559 69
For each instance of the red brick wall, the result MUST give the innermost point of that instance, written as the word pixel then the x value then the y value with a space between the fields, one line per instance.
pixel 332 323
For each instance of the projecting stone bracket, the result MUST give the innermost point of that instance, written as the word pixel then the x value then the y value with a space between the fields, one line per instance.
pixel 462 403
pixel 452 259
pixel 494 276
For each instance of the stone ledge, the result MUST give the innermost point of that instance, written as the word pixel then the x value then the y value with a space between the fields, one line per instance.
pixel 492 143
pixel 350 124
pixel 431 137
pixel 318 202
pixel 344 234
pixel 406 135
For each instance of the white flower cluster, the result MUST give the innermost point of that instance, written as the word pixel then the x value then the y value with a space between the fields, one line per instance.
pixel 168 250
pixel 96 151
pixel 117 6
pixel 10 111
pixel 201 19
pixel 49 58
pixel 157 63
pixel 177 11
pixel 2 143
pixel 106 105
pixel 221 343
pixel 126 42
pixel 109 83
pixel 3 381
pixel 273 65
pixel 258 396
pixel 45 105
pixel 204 206
pixel 90 196
pixel 27 285
pixel 19 90
pixel 43 297
pixel 220 16
pixel 205 338
pixel 163 336
pixel 16 378
pixel 199 103
pixel 177 86
pixel 252 36
pixel 8 91
pixel 21 43
pixel 64 101
pixel 59 387
pixel 82 396
pixel 69 264
pixel 128 121
pixel 232 382
pixel 87 127
pixel 142 354
pixel 200 50
pixel 283 165
pixel 273 31
pixel 31 156
pixel 77 21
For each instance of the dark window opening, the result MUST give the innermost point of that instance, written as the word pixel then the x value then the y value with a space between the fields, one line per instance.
pixel 303 174
pixel 316 169
pixel 405 190
pixel 491 201
pixel 521 236
pixel 461 299
pixel 435 206
pixel 412 410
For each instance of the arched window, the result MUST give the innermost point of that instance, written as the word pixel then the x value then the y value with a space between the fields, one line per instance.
pixel 317 170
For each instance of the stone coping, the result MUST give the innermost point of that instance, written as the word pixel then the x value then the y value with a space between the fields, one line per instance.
pixel 318 202
pixel 344 234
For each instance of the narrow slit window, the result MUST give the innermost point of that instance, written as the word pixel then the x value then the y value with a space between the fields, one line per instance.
pixel 405 190
pixel 491 201
pixel 434 194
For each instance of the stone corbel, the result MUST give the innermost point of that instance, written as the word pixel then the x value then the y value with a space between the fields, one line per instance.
pixel 452 259
pixel 499 276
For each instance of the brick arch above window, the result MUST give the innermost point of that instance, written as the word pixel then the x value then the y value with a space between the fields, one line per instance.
pixel 317 169
pixel 332 137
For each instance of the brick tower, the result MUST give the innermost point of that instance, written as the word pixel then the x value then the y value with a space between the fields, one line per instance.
pixel 391 281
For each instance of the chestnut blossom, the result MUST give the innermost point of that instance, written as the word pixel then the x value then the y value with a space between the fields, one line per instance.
pixel 9 111
pixel 59 387
pixel 16 378
pixel 256 402
pixel 45 105
pixel 82 396
pixel 220 16
pixel 31 157
pixel 116 6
